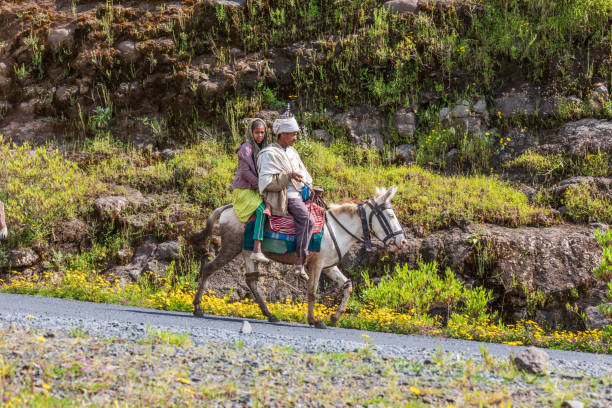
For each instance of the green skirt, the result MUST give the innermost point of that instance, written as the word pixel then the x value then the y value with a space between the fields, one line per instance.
pixel 245 202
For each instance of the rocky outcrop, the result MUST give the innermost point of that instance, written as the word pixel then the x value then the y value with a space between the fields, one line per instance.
pixel 532 272
pixel 577 139
pixel 109 207
pixel 20 258
pixel 365 127
pixel 523 99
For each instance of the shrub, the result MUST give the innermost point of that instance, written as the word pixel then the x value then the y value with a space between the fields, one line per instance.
pixel 42 187
pixel 416 291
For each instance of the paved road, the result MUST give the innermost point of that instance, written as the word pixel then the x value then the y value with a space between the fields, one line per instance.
pixel 127 321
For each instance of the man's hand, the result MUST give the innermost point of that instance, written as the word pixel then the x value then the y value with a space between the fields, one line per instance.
pixel 297 177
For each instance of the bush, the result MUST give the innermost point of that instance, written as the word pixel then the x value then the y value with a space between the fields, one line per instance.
pixel 42 187
pixel 416 291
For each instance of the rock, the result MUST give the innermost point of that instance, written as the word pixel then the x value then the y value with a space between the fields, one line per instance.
pixel 405 153
pixel 129 51
pixel 246 327
pixel 572 404
pixel 124 255
pixel 599 96
pixel 5 78
pixel 322 135
pixel 480 107
pixel 452 160
pixel 577 139
pixel 155 267
pixel 524 99
pixel 208 89
pixel 65 94
pixel 168 251
pixel 19 258
pixel 33 131
pixel 401 6
pixel 552 261
pixel 532 360
pixel 74 230
pixel 364 126
pixel 137 221
pixel 404 121
pixel 595 318
pixel 60 37
pixel 602 185
pixel 110 207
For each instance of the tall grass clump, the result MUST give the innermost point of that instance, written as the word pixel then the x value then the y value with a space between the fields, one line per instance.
pixel 417 291
pixel 41 187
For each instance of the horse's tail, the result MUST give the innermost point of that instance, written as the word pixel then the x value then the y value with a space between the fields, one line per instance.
pixel 202 237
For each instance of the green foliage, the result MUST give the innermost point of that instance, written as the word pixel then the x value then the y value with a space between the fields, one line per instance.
pixel 551 166
pixel 41 187
pixel 586 204
pixel 365 54
pixel 415 291
pixel 161 336
pixel 604 270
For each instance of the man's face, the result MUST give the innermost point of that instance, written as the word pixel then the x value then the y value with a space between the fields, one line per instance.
pixel 287 139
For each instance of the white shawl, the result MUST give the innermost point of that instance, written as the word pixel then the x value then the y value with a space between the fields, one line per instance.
pixel 274 160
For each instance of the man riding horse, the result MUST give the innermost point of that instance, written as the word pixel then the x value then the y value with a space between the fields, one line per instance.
pixel 284 183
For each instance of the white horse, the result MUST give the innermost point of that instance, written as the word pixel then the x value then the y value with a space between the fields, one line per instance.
pixel 345 225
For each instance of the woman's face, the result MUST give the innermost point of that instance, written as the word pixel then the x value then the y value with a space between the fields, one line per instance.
pixel 259 132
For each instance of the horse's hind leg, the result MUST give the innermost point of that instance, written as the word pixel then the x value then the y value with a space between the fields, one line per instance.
pixel 208 268
pixel 347 288
pixel 314 273
pixel 252 275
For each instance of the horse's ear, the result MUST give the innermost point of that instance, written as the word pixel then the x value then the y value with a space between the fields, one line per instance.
pixel 389 194
pixel 378 192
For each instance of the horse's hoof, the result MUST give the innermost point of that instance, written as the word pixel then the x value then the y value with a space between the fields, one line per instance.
pixel 320 325
pixel 198 313
pixel 273 319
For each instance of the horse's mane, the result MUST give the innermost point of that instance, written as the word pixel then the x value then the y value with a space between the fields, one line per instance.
pixel 347 208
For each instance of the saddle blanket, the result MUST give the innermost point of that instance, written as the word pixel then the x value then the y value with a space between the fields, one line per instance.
pixel 285 224
pixel 279 243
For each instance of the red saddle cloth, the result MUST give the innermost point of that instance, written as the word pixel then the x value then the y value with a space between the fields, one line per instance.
pixel 285 224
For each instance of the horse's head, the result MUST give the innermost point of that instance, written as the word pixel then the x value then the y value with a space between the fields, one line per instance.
pixel 383 221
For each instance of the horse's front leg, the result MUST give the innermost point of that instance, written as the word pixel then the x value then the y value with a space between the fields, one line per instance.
pixel 334 274
pixel 252 275
pixel 314 273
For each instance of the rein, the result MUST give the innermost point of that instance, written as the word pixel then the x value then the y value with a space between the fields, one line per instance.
pixel 366 223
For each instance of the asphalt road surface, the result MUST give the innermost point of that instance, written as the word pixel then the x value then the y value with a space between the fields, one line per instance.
pixel 41 313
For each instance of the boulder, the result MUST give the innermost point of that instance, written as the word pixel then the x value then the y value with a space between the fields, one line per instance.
pixel 20 258
pixel 168 251
pixel 602 185
pixel 401 6
pixel 137 221
pixel 65 94
pixel 524 99
pixel 532 360
pixel 599 96
pixel 246 327
pixel 577 139
pixel 572 404
pixel 364 125
pixel 109 207
pixel 404 122
pixel 405 153
pixel 553 262
pixel 129 51
pixel 322 135
pixel 60 37
pixel 5 78
pixel 596 319
pixel 74 230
